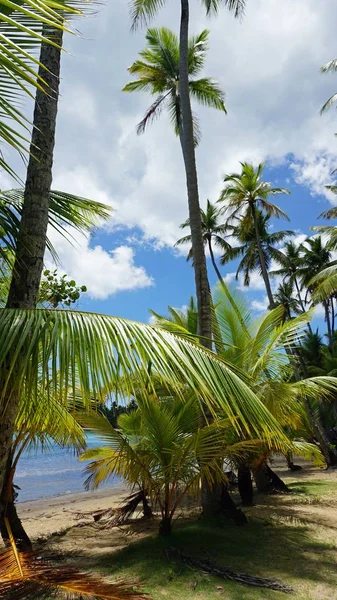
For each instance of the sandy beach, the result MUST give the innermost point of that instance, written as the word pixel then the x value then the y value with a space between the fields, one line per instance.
pixel 53 515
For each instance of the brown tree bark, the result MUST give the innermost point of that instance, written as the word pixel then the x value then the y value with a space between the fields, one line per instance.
pixel 31 242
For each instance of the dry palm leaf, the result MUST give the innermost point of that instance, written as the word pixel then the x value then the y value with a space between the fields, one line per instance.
pixel 26 576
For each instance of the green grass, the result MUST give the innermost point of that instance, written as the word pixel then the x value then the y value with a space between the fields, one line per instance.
pixel 261 548
pixel 314 488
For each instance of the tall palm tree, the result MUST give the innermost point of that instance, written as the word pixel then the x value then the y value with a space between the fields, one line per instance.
pixel 157 72
pixel 32 235
pixel 289 260
pixel 141 11
pixel 256 251
pixel 325 282
pixel 317 257
pixel 243 195
pixel 214 233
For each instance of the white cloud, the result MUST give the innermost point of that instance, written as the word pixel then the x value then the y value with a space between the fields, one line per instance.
pixel 103 272
pixel 315 172
pixel 260 305
pixel 269 66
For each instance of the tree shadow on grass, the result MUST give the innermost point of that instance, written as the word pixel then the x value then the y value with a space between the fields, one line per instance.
pixel 268 550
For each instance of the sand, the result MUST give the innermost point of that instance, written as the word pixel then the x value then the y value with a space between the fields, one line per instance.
pixel 43 517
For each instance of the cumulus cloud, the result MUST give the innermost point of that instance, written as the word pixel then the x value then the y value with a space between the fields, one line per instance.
pixel 268 64
pixel 103 272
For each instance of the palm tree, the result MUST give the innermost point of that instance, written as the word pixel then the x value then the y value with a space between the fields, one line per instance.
pixel 157 71
pixel 141 11
pixel 243 195
pixel 213 232
pixel 160 447
pixel 289 260
pixel 251 247
pixel 262 350
pixel 30 243
pixel 325 282
pixel 179 321
pixel 316 258
pixel 284 296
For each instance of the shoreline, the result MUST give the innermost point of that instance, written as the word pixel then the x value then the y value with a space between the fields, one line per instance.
pixel 46 516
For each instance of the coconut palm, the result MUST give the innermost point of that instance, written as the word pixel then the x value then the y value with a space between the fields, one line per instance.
pixel 160 447
pixel 141 10
pixel 243 196
pixel 30 243
pixel 179 321
pixel 157 71
pixel 325 282
pixel 289 259
pixel 316 258
pixel 250 247
pixel 259 350
pixel 284 296
pixel 214 233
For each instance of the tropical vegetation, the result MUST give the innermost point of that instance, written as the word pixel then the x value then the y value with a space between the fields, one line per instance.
pixel 205 394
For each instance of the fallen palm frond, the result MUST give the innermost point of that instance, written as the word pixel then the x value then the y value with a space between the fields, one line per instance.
pixel 115 517
pixel 26 576
pixel 208 566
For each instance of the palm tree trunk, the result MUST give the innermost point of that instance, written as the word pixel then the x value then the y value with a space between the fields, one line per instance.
pixel 301 303
pixel 187 142
pixel 328 323
pixel 210 495
pixel 7 500
pixel 332 319
pixel 31 242
pixel 262 260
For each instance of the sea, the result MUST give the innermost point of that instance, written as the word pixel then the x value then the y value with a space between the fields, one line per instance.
pixel 53 472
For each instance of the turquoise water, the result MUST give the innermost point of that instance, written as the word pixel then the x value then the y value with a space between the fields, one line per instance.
pixel 51 473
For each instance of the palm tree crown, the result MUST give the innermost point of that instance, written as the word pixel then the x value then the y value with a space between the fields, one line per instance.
pixel 213 230
pixel 158 72
pixel 245 234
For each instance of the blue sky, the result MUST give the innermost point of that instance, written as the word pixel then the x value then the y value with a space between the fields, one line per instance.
pixel 269 66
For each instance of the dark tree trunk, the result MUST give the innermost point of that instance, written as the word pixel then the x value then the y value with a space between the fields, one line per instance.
pixel 245 485
pixel 230 509
pixel 199 258
pixel 268 482
pixel 300 300
pixel 7 501
pixel 262 260
pixel 290 463
pixel 165 526
pixel 147 510
pixel 187 142
pixel 31 242
pixel 328 323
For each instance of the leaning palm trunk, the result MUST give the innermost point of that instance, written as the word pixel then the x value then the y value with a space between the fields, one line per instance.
pixel 211 496
pixel 31 242
pixel 262 260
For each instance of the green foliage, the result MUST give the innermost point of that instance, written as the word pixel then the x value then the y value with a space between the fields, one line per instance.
pixel 243 231
pixel 157 71
pixel 58 290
